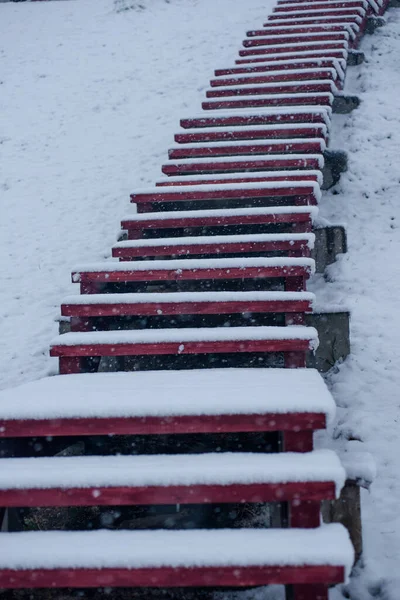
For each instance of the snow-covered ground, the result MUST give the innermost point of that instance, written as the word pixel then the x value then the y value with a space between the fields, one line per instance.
pixel 89 101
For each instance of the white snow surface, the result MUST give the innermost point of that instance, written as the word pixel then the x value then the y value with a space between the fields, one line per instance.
pixel 202 334
pixel 328 545
pixel 220 468
pixel 169 393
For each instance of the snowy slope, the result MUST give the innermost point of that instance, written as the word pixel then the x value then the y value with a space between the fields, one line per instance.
pixel 89 101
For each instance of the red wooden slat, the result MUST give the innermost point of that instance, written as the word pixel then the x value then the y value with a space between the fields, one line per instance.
pixel 325 46
pixel 193 347
pixel 308 28
pixel 206 194
pixel 304 5
pixel 271 78
pixel 294 100
pixel 236 576
pixel 338 53
pixel 174 494
pixel 261 119
pixel 301 88
pixel 288 176
pixel 281 39
pixel 300 147
pixel 290 422
pixel 185 308
pixel 332 19
pixel 230 165
pixel 276 66
pixel 312 13
pixel 292 247
pixel 229 135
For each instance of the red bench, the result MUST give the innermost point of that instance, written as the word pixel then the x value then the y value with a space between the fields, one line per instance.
pixel 291 87
pixel 338 53
pixel 252 148
pixel 273 100
pixel 295 37
pixel 240 164
pixel 252 132
pixel 286 75
pixel 273 29
pixel 274 116
pixel 292 244
pixel 261 176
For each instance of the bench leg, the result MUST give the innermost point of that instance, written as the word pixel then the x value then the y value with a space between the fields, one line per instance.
pixel 310 591
pixel 298 441
pixel 295 360
pixel 295 284
pixel 69 365
pixel 304 514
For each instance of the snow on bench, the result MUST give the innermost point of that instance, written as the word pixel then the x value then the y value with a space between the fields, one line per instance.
pixel 207 179
pixel 286 75
pixel 271 100
pixel 274 115
pixel 297 47
pixel 284 5
pixel 83 308
pixel 293 244
pixel 299 192
pixel 251 132
pixel 306 28
pixel 244 148
pixel 338 53
pixel 295 401
pixel 278 20
pixel 171 479
pixel 293 341
pixel 296 37
pixel 238 164
pixel 269 66
pixel 298 218
pixel 288 87
pixel 237 557
pixel 312 13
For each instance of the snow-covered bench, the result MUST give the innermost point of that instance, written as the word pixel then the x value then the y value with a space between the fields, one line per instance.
pixel 270 100
pixel 288 87
pixel 297 55
pixel 280 76
pixel 292 341
pixel 207 179
pixel 238 164
pixel 310 559
pixel 272 29
pixel 295 402
pixel 273 116
pixel 246 148
pixel 85 308
pixel 297 48
pixel 302 5
pixel 294 218
pixel 293 271
pixel 290 244
pixel 232 194
pixel 297 37
pixel 250 132
pixel 269 66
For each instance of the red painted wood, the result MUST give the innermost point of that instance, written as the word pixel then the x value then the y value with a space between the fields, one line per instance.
pixel 193 347
pixel 295 360
pixel 301 147
pixel 69 365
pixel 183 308
pixel 236 576
pixel 339 54
pixel 261 119
pixel 298 441
pixel 292 247
pixel 310 592
pixel 276 66
pixel 289 272
pixel 282 39
pixel 302 76
pixel 308 28
pixel 305 47
pixel 180 194
pixel 180 494
pixel 294 100
pixel 323 12
pixel 230 165
pixel 305 513
pixel 301 222
pixel 282 5
pixel 333 19
pixel 263 134
pixel 245 178
pixel 163 425
pixel 301 88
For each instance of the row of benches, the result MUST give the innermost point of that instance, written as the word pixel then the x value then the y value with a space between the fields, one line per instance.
pixel 211 272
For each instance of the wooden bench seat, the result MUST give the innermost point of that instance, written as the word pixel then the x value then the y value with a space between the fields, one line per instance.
pixel 269 66
pixel 272 116
pixel 294 271
pixel 291 244
pixel 252 132
pixel 290 38
pixel 278 20
pixel 296 48
pixel 290 87
pixel 297 218
pixel 234 194
pixel 271 100
pixel 293 341
pixel 172 479
pixel 283 5
pixel 338 53
pixel 244 164
pixel 312 558
pixel 246 148
pixel 260 176
pixel 286 75
pixel 311 13
pixel 270 30
pixel 294 401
